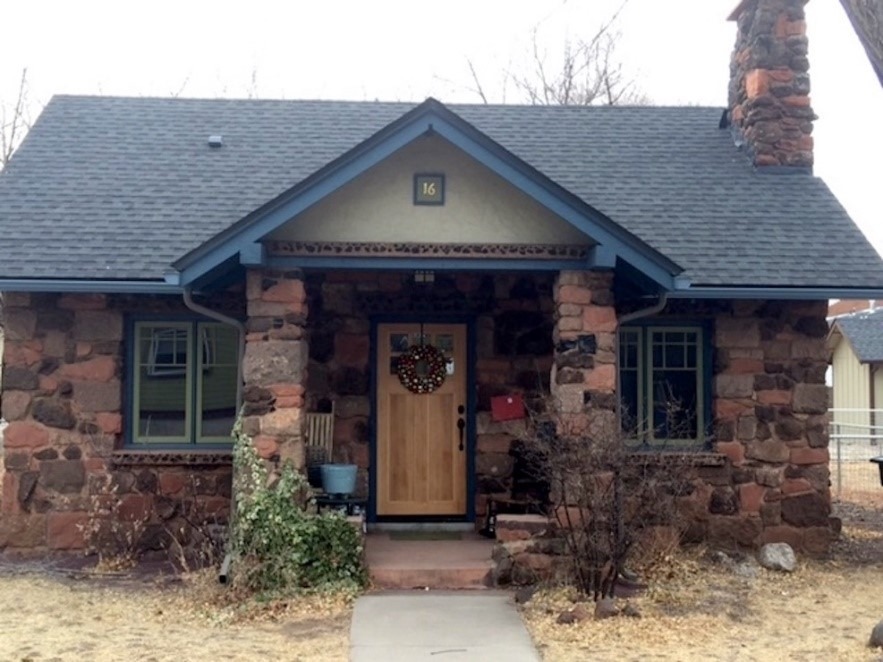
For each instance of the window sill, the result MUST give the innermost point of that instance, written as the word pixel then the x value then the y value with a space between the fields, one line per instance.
pixel 665 456
pixel 212 457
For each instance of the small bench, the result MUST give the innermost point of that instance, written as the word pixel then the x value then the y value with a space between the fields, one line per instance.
pixel 879 462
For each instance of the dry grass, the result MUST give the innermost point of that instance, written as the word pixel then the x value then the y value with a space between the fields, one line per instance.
pixel 697 610
pixel 54 617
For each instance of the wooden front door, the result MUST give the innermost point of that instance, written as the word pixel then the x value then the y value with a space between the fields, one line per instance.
pixel 421 449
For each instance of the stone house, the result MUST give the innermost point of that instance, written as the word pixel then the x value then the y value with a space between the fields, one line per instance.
pixel 168 260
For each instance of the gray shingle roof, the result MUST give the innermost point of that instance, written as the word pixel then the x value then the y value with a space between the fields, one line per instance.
pixel 864 331
pixel 119 188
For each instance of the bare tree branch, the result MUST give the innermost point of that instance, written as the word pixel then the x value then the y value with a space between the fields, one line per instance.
pixel 475 81
pixel 15 121
pixel 589 71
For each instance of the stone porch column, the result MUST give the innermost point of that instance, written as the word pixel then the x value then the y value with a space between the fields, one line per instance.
pixel 274 367
pixel 583 382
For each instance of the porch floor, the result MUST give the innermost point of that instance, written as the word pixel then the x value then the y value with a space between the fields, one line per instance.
pixel 450 564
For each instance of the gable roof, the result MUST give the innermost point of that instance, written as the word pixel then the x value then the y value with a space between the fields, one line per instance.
pixel 121 188
pixel 864 332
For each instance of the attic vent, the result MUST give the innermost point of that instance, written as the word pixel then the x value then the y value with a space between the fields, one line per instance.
pixel 216 140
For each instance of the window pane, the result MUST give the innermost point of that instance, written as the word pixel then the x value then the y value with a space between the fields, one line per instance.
pixel 219 345
pixel 630 402
pixel 675 406
pixel 162 384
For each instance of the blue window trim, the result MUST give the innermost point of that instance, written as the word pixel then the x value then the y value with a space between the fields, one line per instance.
pixel 128 385
pixel 705 327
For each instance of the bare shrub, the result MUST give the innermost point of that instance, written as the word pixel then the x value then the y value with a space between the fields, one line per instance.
pixel 605 497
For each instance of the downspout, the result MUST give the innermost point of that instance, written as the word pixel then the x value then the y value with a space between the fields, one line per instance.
pixel 872 397
pixel 224 573
pixel 223 319
pixel 625 319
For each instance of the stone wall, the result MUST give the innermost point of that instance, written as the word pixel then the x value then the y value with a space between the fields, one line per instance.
pixel 769 83
pixel 63 397
pixel 770 413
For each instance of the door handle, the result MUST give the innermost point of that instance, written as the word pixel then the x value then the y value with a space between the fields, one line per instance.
pixel 461 427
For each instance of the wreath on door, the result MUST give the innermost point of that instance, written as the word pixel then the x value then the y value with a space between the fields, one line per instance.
pixel 422 369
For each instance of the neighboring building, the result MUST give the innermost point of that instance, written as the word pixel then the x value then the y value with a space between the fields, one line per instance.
pixel 856 342
pixel 610 255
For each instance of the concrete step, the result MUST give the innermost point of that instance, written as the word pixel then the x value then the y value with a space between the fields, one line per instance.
pixel 431 578
pixel 435 564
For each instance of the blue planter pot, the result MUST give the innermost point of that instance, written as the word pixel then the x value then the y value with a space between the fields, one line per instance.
pixel 339 478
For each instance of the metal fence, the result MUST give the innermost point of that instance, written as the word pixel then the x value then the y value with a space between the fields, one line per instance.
pixel 856 436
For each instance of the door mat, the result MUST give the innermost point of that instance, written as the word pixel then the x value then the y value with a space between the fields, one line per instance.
pixel 425 535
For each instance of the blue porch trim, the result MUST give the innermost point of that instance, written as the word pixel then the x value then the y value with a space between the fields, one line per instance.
pixel 88 286
pixel 429 118
pixel 782 293
pixel 434 264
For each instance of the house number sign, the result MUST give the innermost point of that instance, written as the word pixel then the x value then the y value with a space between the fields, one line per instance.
pixel 429 189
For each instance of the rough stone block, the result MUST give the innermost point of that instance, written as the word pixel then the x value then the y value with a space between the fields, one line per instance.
pixel 282 423
pixel 95 397
pixel 599 319
pixel 806 510
pixel 734 386
pixel 769 450
pixel 22 531
pixel 285 291
pixel 733 332
pixel 98 325
pixel 25 434
pixel 99 369
pixel 54 413
pixel 811 398
pixel 275 361
pixel 743 531
pixel 267 447
pixel 573 294
pixel 810 456
pixel 109 423
pixel 64 476
pixel 65 530
pixel 15 405
pixel 535 525
pixel 751 497
pixel 19 378
pixel 19 323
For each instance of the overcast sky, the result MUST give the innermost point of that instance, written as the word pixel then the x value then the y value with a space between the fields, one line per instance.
pixel 676 50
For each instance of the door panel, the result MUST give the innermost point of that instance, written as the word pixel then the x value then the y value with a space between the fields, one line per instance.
pixel 421 467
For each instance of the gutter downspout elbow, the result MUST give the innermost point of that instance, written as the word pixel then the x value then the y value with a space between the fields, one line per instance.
pixel 223 319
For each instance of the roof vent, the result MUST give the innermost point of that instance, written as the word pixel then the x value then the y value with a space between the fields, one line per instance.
pixel 215 141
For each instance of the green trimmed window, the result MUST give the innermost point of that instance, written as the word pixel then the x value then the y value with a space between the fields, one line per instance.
pixel 663 384
pixel 183 382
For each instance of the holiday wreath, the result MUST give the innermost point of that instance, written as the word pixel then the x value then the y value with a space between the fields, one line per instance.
pixel 422 369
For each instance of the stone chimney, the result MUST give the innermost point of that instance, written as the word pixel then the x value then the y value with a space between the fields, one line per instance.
pixel 770 111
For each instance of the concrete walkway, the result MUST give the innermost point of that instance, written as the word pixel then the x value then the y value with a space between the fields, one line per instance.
pixel 439 625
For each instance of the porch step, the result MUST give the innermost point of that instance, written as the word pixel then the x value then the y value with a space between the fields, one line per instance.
pixel 434 564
